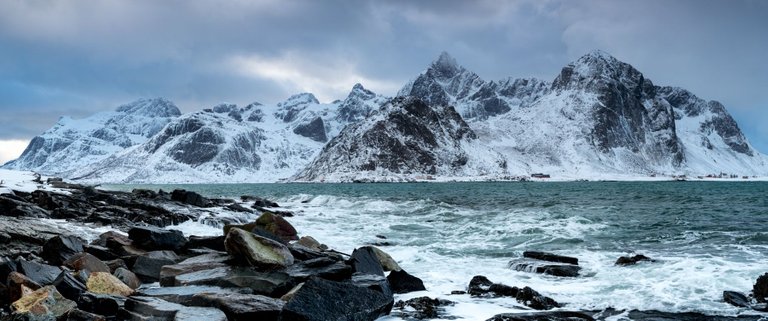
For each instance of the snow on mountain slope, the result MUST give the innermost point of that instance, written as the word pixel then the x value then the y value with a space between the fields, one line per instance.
pixel 230 144
pixel 405 139
pixel 74 143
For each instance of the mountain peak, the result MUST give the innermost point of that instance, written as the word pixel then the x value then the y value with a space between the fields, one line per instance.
pixel 358 86
pixel 154 107
pixel 597 57
pixel 445 64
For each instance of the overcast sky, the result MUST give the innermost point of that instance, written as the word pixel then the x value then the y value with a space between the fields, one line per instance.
pixel 78 57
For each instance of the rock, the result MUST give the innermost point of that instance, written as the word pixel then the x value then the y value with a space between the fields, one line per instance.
pixel 549 257
pixel 80 315
pixel 364 260
pixel 183 294
pixel 373 282
pixel 258 201
pixel 314 130
pixel 736 299
pixel 322 267
pixel 129 278
pixel 631 260
pixel 69 286
pixel 160 310
pixel 260 231
pixel 101 252
pixel 760 288
pixel 257 251
pixel 235 207
pixel 60 248
pixel 211 242
pixel 241 307
pixel 533 299
pixel 386 261
pixel 102 304
pixel 685 316
pixel 6 267
pixel 277 225
pixel 149 266
pixel 542 267
pixel 86 261
pixel 168 273
pixel 402 282
pixel 20 285
pixel 424 308
pixel 190 198
pixel 105 283
pixel 319 299
pixel 271 283
pixel 288 296
pixel 480 286
pixel 43 274
pixel 154 238
pixel 44 304
pixel 116 264
pixel 304 253
pixel 543 316
pixel 311 243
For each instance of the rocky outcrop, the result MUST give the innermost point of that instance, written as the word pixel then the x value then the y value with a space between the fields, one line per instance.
pixel 546 263
pixel 480 286
pixel 256 250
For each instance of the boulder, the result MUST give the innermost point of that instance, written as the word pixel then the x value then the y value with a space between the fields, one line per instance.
pixel 543 267
pixel 86 261
pixel 116 264
pixel 148 308
pixel 148 266
pixel 319 299
pixel 43 304
pixel 543 316
pixel 102 304
pixel 371 281
pixel 19 285
pixel 257 251
pixel 480 286
pixel 322 267
pixel 43 274
pixel 6 267
pixel 183 294
pixel 632 260
pixel 241 307
pixel 386 261
pixel 235 207
pixel 311 243
pixel 80 315
pixel 60 248
pixel 402 282
pixel 760 288
pixel 168 273
pixel 277 225
pixel 364 260
pixel 550 257
pixel 422 308
pixel 534 300
pixel 69 286
pixel 100 252
pixel 258 201
pixel 270 283
pixel 154 238
pixel 736 299
pixel 211 242
pixel 105 283
pixel 129 278
pixel 190 198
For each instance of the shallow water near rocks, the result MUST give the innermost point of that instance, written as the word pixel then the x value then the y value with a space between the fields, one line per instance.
pixel 707 237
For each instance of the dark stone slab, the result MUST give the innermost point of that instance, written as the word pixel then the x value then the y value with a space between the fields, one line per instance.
pixel 319 299
pixel 550 257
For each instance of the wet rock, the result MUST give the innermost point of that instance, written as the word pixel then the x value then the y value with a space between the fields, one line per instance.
pixel 542 267
pixel 373 282
pixel 632 260
pixel 258 201
pixel 115 264
pixel 480 286
pixel 241 307
pixel 402 282
pixel 129 278
pixel 543 316
pixel 183 294
pixel 19 285
pixel 319 299
pixel 149 266
pixel 304 253
pixel 160 310
pixel 105 283
pixel 736 299
pixel 80 315
pixel 277 225
pixel 235 207
pixel 311 243
pixel 11 206
pixel 323 267
pixel 422 308
pixel 101 252
pixel 168 273
pixel 288 296
pixel 42 274
pixel 101 304
pixel 364 260
pixel 550 257
pixel 272 283
pixel 386 261
pixel 86 261
pixel 19 236
pixel 43 304
pixel 60 248
pixel 257 251
pixel 154 238
pixel 6 267
pixel 211 242
pixel 534 300
pixel 190 198
pixel 760 288
pixel 69 286
pixel 685 316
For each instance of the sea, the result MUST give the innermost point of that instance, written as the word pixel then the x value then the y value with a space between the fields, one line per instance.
pixel 705 237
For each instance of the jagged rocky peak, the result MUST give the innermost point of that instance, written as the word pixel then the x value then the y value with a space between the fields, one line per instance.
pixel 290 108
pixel 598 69
pixel 445 66
pixel 358 104
pixel 406 136
pixel 314 130
pixel 155 107
pixel 444 82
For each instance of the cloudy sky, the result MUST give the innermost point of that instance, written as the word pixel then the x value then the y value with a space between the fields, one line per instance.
pixel 77 57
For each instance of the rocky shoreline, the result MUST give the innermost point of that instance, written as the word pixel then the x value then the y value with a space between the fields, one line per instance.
pixel 259 269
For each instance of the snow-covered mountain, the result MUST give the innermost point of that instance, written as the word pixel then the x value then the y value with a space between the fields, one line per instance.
pixel 599 116
pixel 73 143
pixel 404 139
pixel 227 143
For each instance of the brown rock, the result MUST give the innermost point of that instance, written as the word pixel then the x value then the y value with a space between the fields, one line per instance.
pixel 257 251
pixel 44 303
pixel 105 283
pixel 20 285
pixel 85 261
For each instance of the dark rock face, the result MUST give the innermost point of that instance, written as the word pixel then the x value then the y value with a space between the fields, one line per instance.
pixel 157 309
pixel 154 238
pixel 314 130
pixel 190 198
pixel 318 299
pixel 364 260
pixel 402 282
pixel 736 299
pixel 273 284
pixel 69 286
pixel 543 316
pixel 87 262
pixel 43 274
pixel 483 287
pixel 632 260
pixel 686 316
pixel 60 248
pixel 148 266
pixel 760 288
pixel 549 257
pixel 535 300
pixel 354 107
pixel 101 304
pixel 424 308
pixel 543 267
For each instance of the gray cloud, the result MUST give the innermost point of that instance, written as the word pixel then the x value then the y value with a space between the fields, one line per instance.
pixel 78 57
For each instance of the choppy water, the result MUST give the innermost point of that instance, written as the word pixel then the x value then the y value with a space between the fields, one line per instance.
pixel 707 236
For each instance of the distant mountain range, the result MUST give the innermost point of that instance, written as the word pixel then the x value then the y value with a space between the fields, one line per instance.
pixel 599 117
